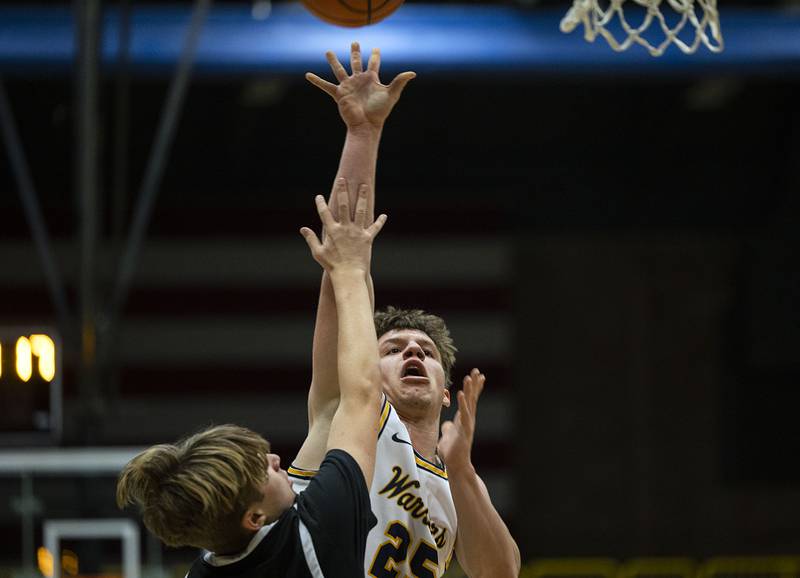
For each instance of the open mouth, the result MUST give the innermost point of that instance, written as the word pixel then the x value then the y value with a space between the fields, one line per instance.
pixel 413 371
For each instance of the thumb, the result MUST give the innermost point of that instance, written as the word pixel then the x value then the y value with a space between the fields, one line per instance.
pixel 311 239
pixel 399 83
pixel 376 227
pixel 323 85
pixel 443 447
pixel 447 426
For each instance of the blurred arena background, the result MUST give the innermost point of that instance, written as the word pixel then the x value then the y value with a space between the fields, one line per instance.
pixel 612 238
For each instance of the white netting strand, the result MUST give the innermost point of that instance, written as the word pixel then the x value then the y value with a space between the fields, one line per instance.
pixel 701 15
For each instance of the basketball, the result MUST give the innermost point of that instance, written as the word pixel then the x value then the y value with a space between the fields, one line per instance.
pixel 352 13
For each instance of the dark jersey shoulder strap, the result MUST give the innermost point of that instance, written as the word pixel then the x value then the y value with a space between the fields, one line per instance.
pixel 336 511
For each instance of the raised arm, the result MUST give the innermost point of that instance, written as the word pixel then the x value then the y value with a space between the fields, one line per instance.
pixel 484 546
pixel 345 254
pixel 364 104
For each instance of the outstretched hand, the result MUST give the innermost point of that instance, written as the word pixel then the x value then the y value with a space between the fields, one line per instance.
pixel 363 101
pixel 348 242
pixel 455 445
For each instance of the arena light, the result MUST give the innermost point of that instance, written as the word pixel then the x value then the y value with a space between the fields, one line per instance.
pixel 45 350
pixel 69 562
pixel 45 561
pixel 30 378
pixel 24 358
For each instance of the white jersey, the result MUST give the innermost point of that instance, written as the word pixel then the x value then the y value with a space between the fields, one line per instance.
pixel 410 497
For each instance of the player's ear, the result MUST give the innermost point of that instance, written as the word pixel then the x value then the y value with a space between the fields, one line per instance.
pixel 254 518
pixel 446 398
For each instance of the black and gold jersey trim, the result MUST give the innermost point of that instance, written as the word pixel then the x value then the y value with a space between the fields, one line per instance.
pixel 434 469
pixel 421 462
pixel 301 473
pixel 386 411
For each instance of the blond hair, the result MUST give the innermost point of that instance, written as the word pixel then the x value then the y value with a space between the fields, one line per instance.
pixel 431 325
pixel 195 492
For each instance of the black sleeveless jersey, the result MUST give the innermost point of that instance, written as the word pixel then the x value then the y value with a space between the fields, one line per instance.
pixel 322 536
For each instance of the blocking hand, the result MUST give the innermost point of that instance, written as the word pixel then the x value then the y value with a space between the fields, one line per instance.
pixel 348 242
pixel 455 445
pixel 363 101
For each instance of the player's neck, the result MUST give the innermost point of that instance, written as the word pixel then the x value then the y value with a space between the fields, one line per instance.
pixel 424 433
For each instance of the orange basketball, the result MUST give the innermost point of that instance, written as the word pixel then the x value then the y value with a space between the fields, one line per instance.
pixel 352 13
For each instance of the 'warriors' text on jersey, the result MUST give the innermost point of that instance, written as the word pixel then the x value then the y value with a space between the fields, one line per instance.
pixel 410 496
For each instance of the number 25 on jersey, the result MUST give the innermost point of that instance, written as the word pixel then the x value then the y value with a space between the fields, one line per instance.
pixel 394 552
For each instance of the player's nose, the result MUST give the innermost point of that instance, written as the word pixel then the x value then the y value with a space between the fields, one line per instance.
pixel 274 461
pixel 413 349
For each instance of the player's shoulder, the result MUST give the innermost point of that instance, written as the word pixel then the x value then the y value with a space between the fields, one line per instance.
pixel 338 474
pixel 335 512
pixel 342 463
pixel 387 412
pixel 398 448
pixel 300 477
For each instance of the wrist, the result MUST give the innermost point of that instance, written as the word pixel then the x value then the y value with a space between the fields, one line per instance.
pixel 460 468
pixel 365 130
pixel 347 272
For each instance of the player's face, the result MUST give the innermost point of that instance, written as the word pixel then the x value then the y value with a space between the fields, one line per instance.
pixel 412 372
pixel 278 493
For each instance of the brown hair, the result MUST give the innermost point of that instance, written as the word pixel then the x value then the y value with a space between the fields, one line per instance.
pixel 431 325
pixel 195 492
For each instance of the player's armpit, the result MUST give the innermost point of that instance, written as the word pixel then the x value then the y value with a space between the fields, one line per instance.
pixel 314 447
pixel 313 450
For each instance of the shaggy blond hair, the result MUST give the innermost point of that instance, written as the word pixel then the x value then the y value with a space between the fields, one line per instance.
pixel 431 325
pixel 195 492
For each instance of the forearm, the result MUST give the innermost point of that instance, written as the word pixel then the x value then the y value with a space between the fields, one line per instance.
pixel 325 379
pixel 357 165
pixel 485 548
pixel 325 336
pixel 357 343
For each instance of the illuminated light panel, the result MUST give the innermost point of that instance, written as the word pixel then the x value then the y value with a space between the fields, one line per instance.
pixel 69 562
pixel 45 560
pixel 43 347
pixel 24 359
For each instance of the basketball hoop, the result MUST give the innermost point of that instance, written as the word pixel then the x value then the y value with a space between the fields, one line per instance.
pixel 676 23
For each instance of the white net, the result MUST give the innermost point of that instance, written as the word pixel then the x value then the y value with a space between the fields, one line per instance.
pixel 685 23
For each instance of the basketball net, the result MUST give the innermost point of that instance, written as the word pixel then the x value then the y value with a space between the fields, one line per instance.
pixel 701 15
